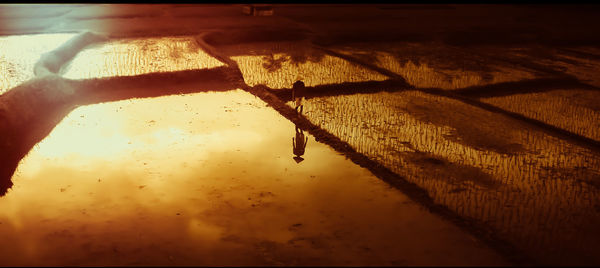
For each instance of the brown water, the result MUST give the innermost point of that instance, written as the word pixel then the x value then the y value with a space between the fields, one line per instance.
pixel 209 179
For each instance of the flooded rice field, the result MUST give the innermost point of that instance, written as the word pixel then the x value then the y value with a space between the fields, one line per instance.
pixel 579 62
pixel 209 179
pixel 536 190
pixel 19 53
pixel 432 66
pixel 128 57
pixel 212 175
pixel 279 65
pixel 574 110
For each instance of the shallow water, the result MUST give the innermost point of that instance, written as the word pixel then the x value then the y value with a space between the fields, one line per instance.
pixel 19 53
pixel 127 57
pixel 208 179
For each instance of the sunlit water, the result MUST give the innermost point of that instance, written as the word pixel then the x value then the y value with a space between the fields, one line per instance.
pixel 127 57
pixel 19 53
pixel 208 179
pixel 539 192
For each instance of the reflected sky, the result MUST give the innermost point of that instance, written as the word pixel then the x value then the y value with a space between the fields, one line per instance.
pixel 208 179
pixel 19 53
pixel 127 57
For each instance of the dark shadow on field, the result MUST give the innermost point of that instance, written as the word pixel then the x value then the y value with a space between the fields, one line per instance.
pixel 289 53
pixel 251 35
pixel 395 180
pixel 467 95
pixel 345 88
pixel 523 87
pixel 30 111
pixel 272 63
pixel 393 85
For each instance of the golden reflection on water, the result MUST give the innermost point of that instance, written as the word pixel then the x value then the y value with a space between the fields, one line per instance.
pixel 127 57
pixel 19 53
pixel 207 179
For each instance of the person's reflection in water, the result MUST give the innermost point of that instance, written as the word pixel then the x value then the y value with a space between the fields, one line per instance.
pixel 298 94
pixel 299 145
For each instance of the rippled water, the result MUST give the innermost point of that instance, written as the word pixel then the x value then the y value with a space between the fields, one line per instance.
pixel 127 57
pixel 208 179
pixel 19 53
pixel 539 192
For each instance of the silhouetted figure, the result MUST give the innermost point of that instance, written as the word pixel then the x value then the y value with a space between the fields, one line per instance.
pixel 298 94
pixel 299 144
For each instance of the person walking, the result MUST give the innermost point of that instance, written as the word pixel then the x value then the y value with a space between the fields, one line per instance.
pixel 297 94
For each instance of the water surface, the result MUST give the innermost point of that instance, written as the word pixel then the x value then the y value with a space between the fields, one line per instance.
pixel 19 53
pixel 209 179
